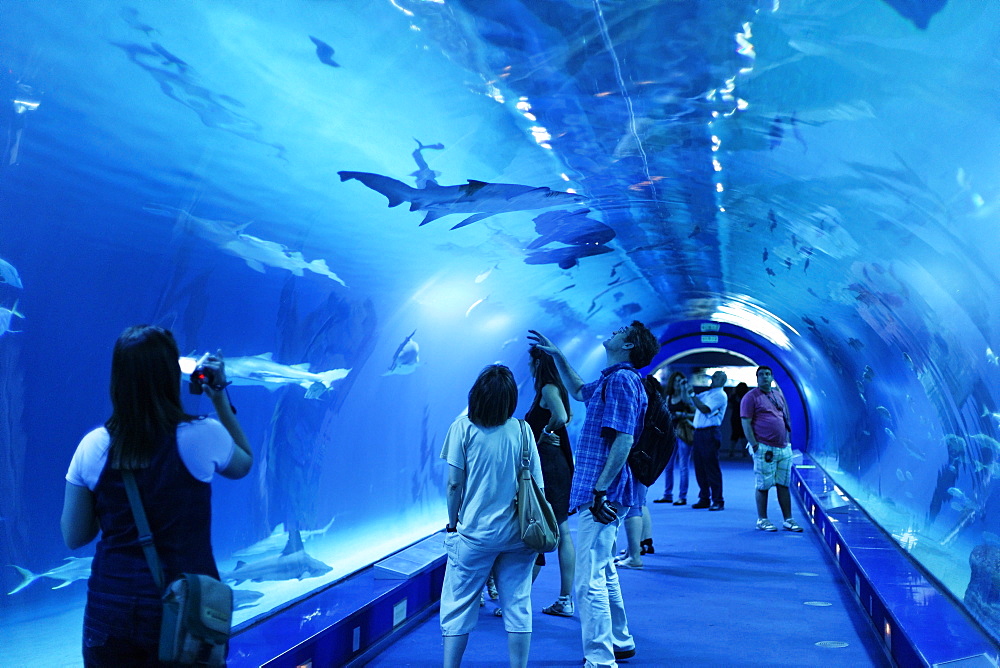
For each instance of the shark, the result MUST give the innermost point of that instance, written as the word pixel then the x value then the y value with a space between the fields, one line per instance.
pixel 231 238
pixel 277 540
pixel 479 198
pixel 75 568
pixel 570 227
pixel 6 316
pixel 8 275
pixel 295 565
pixel 406 359
pixel 262 370
pixel 245 598
pixel 567 257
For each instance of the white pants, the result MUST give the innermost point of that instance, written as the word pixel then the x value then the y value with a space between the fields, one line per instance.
pixel 599 597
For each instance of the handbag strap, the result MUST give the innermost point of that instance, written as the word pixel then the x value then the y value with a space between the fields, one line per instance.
pixel 145 535
pixel 525 453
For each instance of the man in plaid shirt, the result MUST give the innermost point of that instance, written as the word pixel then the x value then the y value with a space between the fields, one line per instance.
pixel 603 487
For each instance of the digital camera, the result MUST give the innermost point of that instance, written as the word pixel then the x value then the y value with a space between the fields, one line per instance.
pixel 201 376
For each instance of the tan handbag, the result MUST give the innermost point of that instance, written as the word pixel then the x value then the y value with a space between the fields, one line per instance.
pixel 539 529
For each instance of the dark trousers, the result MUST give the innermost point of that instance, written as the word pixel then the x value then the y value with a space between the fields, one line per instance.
pixel 706 464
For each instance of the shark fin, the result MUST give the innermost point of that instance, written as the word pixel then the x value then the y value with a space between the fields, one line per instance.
pixel 255 265
pixel 472 187
pixel 304 366
pixel 63 584
pixel 265 356
pixel 433 215
pixel 472 219
pixel 315 390
pixel 240 564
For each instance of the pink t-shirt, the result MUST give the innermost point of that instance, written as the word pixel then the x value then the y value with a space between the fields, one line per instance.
pixel 767 415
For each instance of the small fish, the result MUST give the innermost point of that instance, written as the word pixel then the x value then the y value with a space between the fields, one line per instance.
pixel 695 232
pixel 883 412
pixel 628 310
pixel 909 476
pixel 8 275
pixel 614 268
pixel 568 287
pixel 509 342
pixel 960 502
pixel 764 257
pixel 809 321
pixel 900 475
pixel 425 175
pixel 812 292
pixel 131 17
pixel 770 272
pixel 805 266
pixel 788 263
pixel 825 319
pixel 169 58
pixel 324 52
pixel 474 305
pixel 992 357
pixel 869 374
pixel 775 132
pixel 855 343
pixel 486 274
pixel 909 362
pixel 890 434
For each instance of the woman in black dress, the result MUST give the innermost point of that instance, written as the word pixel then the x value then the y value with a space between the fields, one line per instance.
pixel 547 418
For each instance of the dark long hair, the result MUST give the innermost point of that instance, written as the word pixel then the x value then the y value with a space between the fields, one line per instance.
pixel 546 373
pixel 493 397
pixel 669 387
pixel 145 395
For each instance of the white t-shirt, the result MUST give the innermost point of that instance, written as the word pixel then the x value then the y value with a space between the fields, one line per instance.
pixel 491 458
pixel 204 446
pixel 716 400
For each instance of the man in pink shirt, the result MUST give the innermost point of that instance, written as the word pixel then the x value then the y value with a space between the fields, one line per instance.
pixel 764 414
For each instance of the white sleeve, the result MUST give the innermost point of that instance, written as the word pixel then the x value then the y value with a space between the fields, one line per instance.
pixel 205 447
pixel 88 460
pixel 453 450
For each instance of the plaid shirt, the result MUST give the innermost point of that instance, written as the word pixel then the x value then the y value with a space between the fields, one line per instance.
pixel 617 400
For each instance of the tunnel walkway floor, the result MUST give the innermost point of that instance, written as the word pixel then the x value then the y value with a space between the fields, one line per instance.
pixel 717 592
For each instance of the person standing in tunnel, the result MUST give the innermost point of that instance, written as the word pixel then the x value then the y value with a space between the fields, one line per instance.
pixel 603 486
pixel 764 413
pixel 710 406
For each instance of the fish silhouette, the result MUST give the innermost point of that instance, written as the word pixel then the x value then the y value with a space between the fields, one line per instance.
pixel 324 52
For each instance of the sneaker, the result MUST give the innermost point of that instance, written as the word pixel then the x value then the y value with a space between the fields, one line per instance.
pixel 563 607
pixel 790 525
pixel 681 502
pixel 628 563
pixel 491 587
pixel 765 525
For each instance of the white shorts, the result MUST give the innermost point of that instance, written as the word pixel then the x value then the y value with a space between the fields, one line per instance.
pixel 464 578
pixel 778 471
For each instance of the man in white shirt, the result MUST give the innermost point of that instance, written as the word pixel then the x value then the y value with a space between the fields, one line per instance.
pixel 710 406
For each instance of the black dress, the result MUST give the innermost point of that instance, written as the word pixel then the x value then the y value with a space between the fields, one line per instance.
pixel 557 462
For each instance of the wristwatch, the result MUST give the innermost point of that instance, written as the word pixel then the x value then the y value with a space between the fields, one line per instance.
pixel 450 529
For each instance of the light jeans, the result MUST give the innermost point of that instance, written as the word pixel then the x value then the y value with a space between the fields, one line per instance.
pixel 680 460
pixel 604 625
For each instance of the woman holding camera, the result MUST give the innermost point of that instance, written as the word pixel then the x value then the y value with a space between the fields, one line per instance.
pixel 483 450
pixel 173 457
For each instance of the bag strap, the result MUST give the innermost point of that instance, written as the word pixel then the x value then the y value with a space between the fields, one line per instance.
pixel 525 453
pixel 145 535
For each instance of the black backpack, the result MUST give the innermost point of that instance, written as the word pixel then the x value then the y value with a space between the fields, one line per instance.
pixel 655 445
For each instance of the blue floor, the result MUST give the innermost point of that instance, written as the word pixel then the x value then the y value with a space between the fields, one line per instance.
pixel 717 592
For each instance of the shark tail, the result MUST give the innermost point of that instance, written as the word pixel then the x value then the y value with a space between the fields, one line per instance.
pixel 395 191
pixel 28 578
pixel 329 377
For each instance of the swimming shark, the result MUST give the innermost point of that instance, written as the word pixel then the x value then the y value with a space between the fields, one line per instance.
pixel 264 371
pixel 277 540
pixel 425 175
pixel 256 252
pixel 570 227
pixel 567 257
pixel 296 565
pixel 76 568
pixel 476 197
pixel 8 275
pixel 406 359
pixel 6 315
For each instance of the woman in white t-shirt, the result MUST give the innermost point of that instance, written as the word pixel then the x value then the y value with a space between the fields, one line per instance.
pixel 483 450
pixel 173 457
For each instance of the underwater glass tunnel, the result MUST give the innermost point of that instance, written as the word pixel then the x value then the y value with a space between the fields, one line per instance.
pixel 363 203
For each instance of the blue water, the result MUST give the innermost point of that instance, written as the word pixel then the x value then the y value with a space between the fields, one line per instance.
pixel 820 172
